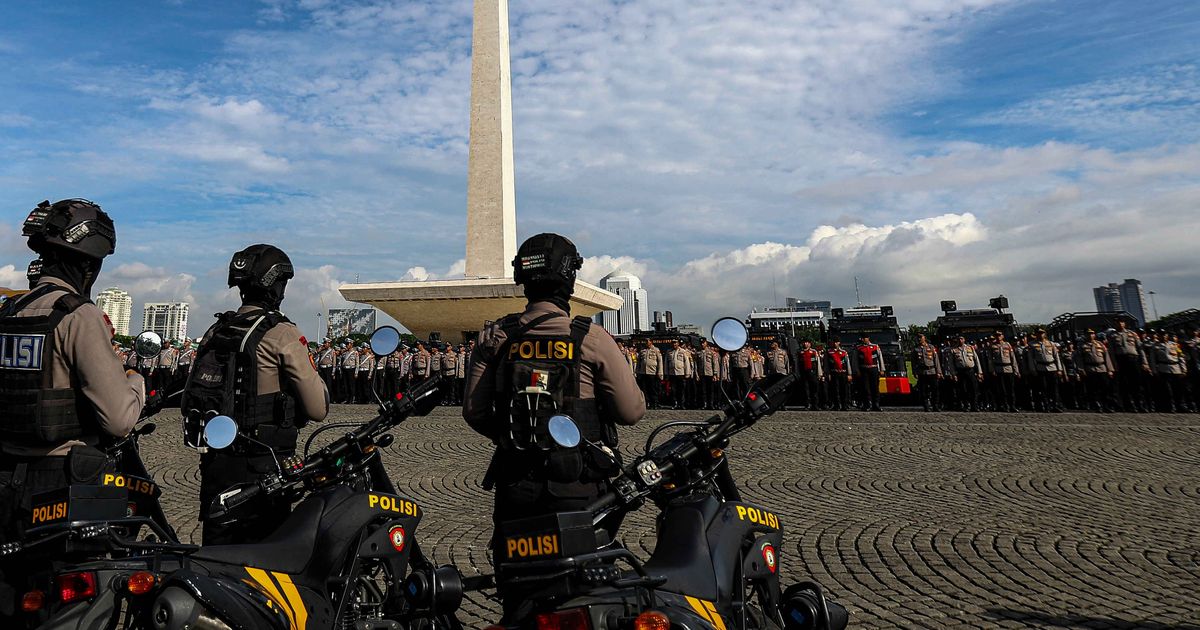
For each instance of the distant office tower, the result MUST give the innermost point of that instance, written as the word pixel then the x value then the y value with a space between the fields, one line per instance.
pixel 824 306
pixel 118 306
pixel 1127 296
pixel 351 321
pixel 635 312
pixel 168 319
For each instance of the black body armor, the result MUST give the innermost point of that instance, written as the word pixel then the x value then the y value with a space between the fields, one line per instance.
pixel 224 381
pixel 33 413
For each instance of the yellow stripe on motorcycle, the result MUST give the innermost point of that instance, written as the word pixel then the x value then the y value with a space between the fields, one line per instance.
pixel 267 586
pixel 718 623
pixel 699 608
pixel 707 611
pixel 293 596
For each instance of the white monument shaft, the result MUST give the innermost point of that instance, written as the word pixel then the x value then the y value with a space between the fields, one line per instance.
pixel 487 293
pixel 491 194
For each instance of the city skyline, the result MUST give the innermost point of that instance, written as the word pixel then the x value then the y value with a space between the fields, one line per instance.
pixel 634 314
pixel 168 319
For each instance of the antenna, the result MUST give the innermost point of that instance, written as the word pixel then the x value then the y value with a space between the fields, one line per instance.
pixel 857 295
pixel 774 293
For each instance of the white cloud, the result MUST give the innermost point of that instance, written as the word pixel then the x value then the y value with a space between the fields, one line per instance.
pixel 13 278
pixel 596 267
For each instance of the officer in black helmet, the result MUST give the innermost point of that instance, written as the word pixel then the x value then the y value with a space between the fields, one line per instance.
pixel 271 391
pixel 63 391
pixel 532 365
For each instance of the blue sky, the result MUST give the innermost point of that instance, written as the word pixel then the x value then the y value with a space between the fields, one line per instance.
pixel 935 149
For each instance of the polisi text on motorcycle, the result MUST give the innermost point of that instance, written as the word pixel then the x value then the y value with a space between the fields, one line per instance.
pixel 393 504
pixel 133 484
pixel 532 546
pixel 757 516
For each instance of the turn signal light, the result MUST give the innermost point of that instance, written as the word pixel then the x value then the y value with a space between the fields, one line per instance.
pixel 75 586
pixel 33 601
pixel 576 619
pixel 141 583
pixel 652 620
pixel 716 453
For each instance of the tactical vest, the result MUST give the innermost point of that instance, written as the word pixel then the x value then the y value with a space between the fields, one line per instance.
pixel 867 354
pixel 31 413
pixel 224 381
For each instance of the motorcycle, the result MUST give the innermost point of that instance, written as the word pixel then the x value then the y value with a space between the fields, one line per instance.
pixel 717 558
pixel 346 557
pixel 88 538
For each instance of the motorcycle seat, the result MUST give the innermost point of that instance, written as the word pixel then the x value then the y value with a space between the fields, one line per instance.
pixel 681 555
pixel 287 550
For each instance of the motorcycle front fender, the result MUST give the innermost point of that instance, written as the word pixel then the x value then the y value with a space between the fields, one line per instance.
pixel 189 598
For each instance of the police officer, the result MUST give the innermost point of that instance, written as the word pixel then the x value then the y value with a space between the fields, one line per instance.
pixel 349 371
pixel 1005 369
pixel 168 362
pixel 187 354
pixel 278 391
pixel 1170 370
pixel 841 375
pixel 582 371
pixel 422 363
pixel 709 364
pixel 812 374
pixel 927 365
pixel 1048 370
pixel 1130 363
pixel 740 369
pixel 868 364
pixel 966 372
pixel 326 361
pixel 650 373
pixel 1098 372
pixel 362 380
pixel 1192 349
pixel 777 360
pixel 677 372
pixel 63 391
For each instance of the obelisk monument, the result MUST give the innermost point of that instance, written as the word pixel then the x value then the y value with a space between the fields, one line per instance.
pixel 458 307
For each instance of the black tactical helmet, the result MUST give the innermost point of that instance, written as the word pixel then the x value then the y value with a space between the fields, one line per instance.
pixel 259 266
pixel 546 257
pixel 73 225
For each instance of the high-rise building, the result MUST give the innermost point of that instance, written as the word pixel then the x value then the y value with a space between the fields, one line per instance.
pixel 798 304
pixel 351 321
pixel 168 319
pixel 118 306
pixel 1133 299
pixel 635 312
pixel 1127 297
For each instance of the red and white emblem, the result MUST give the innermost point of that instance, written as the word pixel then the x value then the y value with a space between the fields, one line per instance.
pixel 769 557
pixel 396 535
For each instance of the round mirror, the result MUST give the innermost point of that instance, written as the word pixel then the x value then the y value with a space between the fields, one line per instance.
pixel 729 334
pixel 564 431
pixel 385 340
pixel 148 344
pixel 220 432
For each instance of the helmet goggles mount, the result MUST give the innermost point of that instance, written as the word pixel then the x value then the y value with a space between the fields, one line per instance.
pixel 75 225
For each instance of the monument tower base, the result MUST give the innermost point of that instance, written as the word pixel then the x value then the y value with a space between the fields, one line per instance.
pixel 459 308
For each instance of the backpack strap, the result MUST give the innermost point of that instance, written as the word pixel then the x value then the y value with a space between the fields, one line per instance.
pixel 580 326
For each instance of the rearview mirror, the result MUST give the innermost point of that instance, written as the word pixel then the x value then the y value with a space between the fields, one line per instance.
pixel 148 345
pixel 730 334
pixel 220 432
pixel 385 340
pixel 564 431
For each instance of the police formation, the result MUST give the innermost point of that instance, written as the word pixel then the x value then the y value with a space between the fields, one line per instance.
pixel 1115 370
pixel 548 389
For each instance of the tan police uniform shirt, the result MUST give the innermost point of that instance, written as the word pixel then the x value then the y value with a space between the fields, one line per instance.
pixel 83 359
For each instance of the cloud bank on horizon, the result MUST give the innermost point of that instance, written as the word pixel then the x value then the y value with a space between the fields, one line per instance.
pixel 731 154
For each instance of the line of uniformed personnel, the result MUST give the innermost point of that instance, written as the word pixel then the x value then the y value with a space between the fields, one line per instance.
pixel 1116 370
pixel 354 374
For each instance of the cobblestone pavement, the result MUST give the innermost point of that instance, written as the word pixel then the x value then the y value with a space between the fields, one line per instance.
pixel 909 519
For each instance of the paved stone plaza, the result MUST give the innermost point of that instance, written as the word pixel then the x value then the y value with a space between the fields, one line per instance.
pixel 909 519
